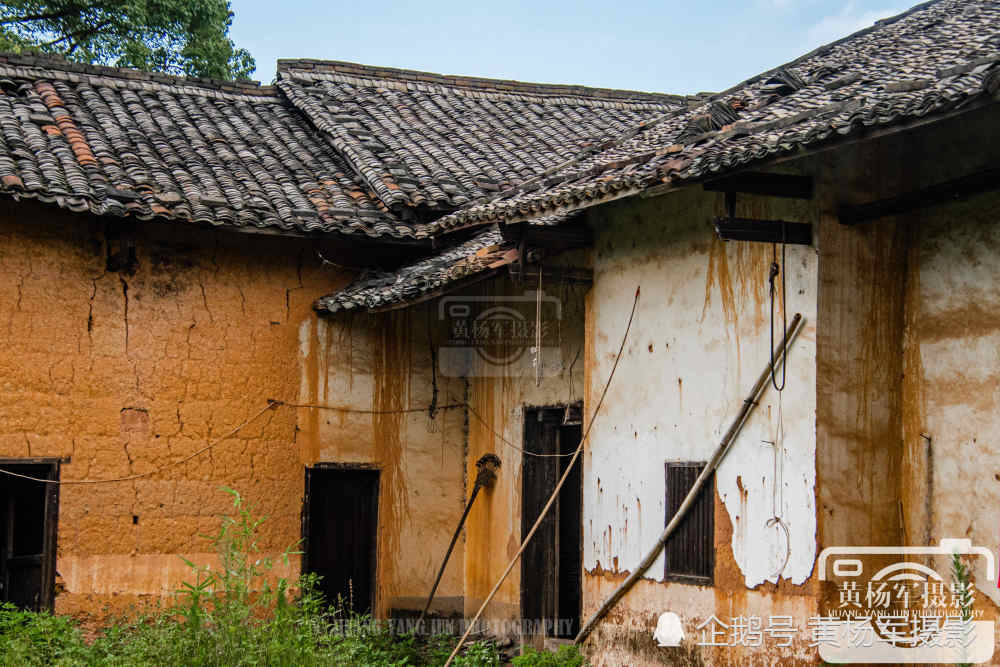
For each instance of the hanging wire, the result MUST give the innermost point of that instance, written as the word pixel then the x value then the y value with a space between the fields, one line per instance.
pixel 538 329
pixel 273 404
pixel 363 411
pixel 774 273
pixel 777 488
pixel 432 409
pixel 489 427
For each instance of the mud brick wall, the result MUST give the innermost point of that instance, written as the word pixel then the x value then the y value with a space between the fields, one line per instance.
pixel 121 374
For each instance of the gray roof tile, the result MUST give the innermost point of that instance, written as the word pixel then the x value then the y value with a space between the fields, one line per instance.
pixel 456 264
pixel 438 142
pixel 124 143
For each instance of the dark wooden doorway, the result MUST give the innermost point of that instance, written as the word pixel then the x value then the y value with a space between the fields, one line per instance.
pixel 552 562
pixel 340 525
pixel 29 512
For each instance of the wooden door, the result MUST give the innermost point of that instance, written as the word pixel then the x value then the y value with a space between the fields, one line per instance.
pixel 552 562
pixel 340 530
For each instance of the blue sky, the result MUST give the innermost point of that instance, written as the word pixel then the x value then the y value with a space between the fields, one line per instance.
pixel 668 46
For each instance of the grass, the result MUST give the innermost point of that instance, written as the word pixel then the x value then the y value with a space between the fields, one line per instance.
pixel 236 614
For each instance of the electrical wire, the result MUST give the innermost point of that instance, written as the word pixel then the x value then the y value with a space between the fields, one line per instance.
pixel 507 442
pixel 777 486
pixel 270 406
pixel 364 411
pixel 538 329
pixel 555 492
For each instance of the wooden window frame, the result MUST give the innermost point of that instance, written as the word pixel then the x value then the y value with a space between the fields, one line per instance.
pixel 706 495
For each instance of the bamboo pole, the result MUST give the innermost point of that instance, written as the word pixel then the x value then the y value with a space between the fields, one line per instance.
pixel 717 457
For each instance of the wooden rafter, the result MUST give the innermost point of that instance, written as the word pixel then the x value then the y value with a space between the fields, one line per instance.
pixel 932 195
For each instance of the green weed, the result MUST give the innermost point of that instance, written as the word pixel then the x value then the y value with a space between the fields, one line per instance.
pixel 236 614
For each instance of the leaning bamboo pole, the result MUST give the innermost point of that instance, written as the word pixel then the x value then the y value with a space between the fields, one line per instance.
pixel 488 464
pixel 720 454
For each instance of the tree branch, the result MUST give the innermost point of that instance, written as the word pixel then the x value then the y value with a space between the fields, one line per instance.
pixel 41 17
pixel 87 32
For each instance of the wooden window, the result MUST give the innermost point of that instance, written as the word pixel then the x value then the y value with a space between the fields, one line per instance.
pixel 690 552
pixel 29 512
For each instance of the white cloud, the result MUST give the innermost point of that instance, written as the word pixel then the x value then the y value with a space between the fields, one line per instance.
pixel 848 20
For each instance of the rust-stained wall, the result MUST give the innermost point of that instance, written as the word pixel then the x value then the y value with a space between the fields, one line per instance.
pixel 906 362
pixel 493 532
pixel 698 343
pixel 859 356
pixel 383 363
pixel 951 380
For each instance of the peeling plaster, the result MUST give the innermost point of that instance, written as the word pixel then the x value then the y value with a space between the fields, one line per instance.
pixel 698 343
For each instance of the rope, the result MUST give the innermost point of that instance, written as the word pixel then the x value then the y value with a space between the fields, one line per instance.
pixel 555 492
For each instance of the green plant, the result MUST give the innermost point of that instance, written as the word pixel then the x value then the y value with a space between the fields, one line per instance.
pixel 476 654
pixel 566 656
pixel 962 579
pixel 189 37
pixel 38 638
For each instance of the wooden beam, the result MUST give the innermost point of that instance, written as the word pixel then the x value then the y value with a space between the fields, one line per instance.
pixel 764 231
pixel 554 274
pixel 932 195
pixel 567 235
pixel 765 184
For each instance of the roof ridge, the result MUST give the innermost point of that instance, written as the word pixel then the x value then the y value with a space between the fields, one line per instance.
pixel 820 50
pixel 287 65
pixel 60 64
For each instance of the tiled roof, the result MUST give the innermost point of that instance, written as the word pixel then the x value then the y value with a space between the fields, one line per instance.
pixel 934 58
pixel 460 263
pixel 456 265
pixel 127 143
pixel 433 142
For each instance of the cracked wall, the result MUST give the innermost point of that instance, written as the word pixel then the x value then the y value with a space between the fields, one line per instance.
pixel 122 373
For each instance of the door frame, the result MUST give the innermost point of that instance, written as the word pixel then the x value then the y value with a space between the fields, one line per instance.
pixel 50 533
pixel 549 411
pixel 306 527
